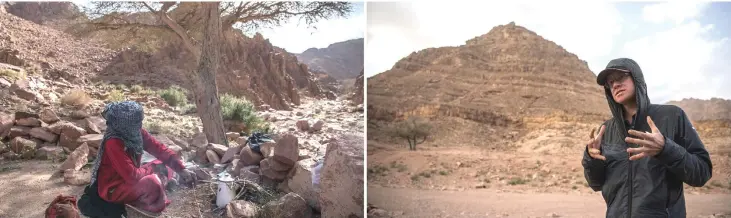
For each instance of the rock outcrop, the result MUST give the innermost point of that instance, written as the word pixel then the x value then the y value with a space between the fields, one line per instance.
pixel 340 60
pixel 702 110
pixel 510 71
pixel 341 189
pixel 357 96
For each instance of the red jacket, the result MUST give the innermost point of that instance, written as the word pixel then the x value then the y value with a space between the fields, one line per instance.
pixel 117 171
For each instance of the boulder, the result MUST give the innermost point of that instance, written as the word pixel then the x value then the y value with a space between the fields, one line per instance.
pixel 93 140
pixel 182 143
pixel 241 209
pixel 76 159
pixel 6 122
pixel 48 116
pixel 278 165
pixel 29 122
pixel 341 181
pixel 267 171
pixel 290 205
pixel 230 153
pixel 41 133
pixel 78 114
pixel 219 149
pixel 49 153
pixel 267 149
pixel 24 147
pixel 200 155
pixel 249 157
pixel 99 122
pixel 91 127
pixel 317 126
pixel 213 157
pixel 287 150
pixel 303 125
pixel 18 131
pixel 199 140
pixel 301 183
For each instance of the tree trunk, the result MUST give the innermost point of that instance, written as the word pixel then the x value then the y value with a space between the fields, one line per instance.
pixel 206 96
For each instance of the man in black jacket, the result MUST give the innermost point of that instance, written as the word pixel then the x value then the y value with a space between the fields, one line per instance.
pixel 643 155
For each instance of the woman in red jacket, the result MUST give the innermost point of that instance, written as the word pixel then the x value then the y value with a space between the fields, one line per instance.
pixel 118 178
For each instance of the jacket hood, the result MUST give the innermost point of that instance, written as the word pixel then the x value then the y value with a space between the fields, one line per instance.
pixel 641 97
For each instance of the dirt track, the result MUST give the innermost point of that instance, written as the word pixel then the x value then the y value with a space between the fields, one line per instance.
pixel 26 188
pixel 407 202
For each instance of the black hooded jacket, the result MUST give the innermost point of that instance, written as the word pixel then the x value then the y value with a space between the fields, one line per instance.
pixel 651 186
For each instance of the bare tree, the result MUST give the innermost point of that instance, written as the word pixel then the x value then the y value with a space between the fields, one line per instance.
pixel 193 21
pixel 412 129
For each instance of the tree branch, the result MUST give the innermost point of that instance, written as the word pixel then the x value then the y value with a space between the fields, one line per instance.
pixel 149 8
pixel 187 40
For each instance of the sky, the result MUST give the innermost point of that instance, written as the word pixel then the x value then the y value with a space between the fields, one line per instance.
pixel 683 47
pixel 296 37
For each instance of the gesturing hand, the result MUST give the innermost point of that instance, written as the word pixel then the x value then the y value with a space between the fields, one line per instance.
pixel 651 143
pixel 595 144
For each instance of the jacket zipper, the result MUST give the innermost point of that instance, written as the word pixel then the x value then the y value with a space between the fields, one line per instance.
pixel 630 176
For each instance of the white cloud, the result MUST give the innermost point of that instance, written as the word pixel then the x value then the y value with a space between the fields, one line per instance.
pixel 677 12
pixel 671 45
pixel 296 37
pixel 676 62
pixel 438 25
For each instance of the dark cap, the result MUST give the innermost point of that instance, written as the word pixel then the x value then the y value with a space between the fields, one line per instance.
pixel 616 65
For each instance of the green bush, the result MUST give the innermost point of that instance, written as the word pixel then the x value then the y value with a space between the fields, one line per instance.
pixel 12 75
pixel 115 96
pixel 240 110
pixel 136 89
pixel 174 96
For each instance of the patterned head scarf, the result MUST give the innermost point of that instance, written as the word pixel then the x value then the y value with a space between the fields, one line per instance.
pixel 124 122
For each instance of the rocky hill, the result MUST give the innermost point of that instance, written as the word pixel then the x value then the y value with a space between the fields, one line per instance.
pixel 342 60
pixel 508 74
pixel 250 66
pixel 357 96
pixel 702 110
pixel 507 111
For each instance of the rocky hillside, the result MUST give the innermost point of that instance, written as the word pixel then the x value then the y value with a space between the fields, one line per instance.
pixel 342 60
pixel 510 72
pixel 250 66
pixel 509 89
pixel 55 14
pixel 701 110
pixel 357 96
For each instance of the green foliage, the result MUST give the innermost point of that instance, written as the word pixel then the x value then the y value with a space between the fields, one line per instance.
pixel 412 129
pixel 115 96
pixel 241 110
pixel 12 75
pixel 136 89
pixel 174 96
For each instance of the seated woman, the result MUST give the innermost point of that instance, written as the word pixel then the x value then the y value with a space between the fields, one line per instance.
pixel 118 179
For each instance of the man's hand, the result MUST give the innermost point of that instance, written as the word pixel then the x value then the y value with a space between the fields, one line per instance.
pixel 188 178
pixel 652 143
pixel 595 144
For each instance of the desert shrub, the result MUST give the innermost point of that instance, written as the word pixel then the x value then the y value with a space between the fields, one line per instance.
pixel 412 129
pixel 174 96
pixel 12 75
pixel 240 110
pixel 76 98
pixel 115 95
pixel 120 86
pixel 136 89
